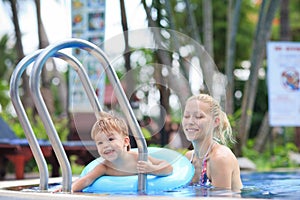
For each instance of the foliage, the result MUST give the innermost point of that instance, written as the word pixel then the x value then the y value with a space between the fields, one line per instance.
pixel 7 57
pixel 233 120
pixel 38 130
pixel 276 156
pixel 76 169
pixel 294 20
pixel 248 16
pixel 57 101
pixel 37 126
pixel 246 31
pixel 4 98
pixel 260 107
pixel 294 17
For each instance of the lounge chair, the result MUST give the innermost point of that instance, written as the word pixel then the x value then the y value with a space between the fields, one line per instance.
pixel 18 152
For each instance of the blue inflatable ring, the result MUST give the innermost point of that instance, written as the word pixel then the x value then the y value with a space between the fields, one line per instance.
pixel 183 171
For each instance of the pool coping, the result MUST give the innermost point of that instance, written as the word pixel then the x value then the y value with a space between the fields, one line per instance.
pixel 5 193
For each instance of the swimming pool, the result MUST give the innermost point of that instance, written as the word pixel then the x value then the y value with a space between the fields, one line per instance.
pixel 259 185
pixel 279 185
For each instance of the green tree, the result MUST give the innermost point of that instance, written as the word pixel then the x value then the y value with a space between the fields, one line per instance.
pixel 233 16
pixel 267 13
pixel 7 60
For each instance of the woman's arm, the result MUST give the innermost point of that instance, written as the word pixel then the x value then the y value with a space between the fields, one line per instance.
pixel 221 172
pixel 224 169
pixel 155 166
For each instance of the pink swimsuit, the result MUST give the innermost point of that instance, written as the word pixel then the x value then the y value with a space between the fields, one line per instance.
pixel 204 180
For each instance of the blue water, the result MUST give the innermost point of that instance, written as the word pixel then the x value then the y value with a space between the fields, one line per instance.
pixel 265 185
pixel 273 185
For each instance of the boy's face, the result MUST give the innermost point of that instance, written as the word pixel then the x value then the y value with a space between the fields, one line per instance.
pixel 111 145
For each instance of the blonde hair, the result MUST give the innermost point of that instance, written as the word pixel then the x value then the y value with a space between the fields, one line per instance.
pixel 223 132
pixel 108 124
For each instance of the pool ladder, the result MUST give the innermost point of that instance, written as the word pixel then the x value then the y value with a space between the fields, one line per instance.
pixel 39 59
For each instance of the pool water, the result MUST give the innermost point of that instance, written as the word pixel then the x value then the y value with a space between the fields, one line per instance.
pixel 279 185
pixel 264 185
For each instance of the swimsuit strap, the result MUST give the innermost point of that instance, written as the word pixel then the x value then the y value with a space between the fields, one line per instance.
pixel 203 176
pixel 204 180
pixel 191 160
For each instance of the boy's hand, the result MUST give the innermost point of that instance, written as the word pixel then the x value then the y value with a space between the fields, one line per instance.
pixel 145 167
pixel 57 190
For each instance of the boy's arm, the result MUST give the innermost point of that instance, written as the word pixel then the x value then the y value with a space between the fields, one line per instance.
pixel 155 166
pixel 89 178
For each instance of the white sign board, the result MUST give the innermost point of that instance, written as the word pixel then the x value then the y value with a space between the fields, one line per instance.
pixel 283 66
pixel 88 22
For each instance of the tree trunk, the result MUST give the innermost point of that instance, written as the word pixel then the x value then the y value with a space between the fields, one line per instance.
pixel 43 39
pixel 174 83
pixel 208 27
pixel 46 80
pixel 263 133
pixel 174 39
pixel 297 137
pixel 207 64
pixel 26 98
pixel 263 32
pixel 285 29
pixel 62 90
pixel 192 22
pixel 233 22
pixel 130 83
pixel 43 42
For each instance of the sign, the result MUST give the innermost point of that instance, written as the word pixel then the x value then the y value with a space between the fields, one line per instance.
pixel 283 61
pixel 88 23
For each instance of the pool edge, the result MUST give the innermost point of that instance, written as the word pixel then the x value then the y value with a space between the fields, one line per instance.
pixel 26 195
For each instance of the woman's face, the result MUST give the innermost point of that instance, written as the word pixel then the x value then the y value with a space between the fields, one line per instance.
pixel 197 121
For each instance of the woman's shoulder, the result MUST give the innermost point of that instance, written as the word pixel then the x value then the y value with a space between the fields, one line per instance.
pixel 223 148
pixel 222 153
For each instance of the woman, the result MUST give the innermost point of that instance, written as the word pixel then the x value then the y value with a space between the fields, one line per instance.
pixel 207 127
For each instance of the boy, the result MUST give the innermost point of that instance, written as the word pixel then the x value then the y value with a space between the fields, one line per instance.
pixel 112 140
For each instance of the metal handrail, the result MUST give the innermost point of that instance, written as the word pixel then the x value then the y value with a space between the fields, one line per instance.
pixel 122 99
pixel 16 101
pixel 46 119
pixel 14 93
pixel 83 76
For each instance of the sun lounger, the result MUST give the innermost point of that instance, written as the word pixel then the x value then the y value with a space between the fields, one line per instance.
pixel 18 152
